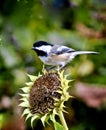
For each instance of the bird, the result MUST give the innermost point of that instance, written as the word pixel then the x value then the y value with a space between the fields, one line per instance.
pixel 56 55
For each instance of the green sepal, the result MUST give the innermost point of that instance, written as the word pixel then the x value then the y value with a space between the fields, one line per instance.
pixel 32 78
pixel 24 104
pixel 24 95
pixel 24 99
pixel 28 116
pixel 26 111
pixel 29 83
pixel 25 89
pixel 34 117
pixel 44 119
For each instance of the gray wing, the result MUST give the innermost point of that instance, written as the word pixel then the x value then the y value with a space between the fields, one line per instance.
pixel 56 49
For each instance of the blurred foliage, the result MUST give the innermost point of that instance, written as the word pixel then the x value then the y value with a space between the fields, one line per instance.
pixel 79 24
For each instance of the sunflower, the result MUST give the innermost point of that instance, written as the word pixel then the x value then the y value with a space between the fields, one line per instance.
pixel 44 96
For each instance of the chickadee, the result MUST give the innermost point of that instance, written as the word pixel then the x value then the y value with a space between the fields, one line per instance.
pixel 56 55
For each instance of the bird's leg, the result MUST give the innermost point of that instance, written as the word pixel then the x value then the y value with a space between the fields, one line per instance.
pixel 50 68
pixel 62 67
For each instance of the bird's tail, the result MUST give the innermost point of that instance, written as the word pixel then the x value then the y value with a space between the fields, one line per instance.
pixel 84 52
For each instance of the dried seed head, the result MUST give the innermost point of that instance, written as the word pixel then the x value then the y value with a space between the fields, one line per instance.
pixel 44 96
pixel 43 92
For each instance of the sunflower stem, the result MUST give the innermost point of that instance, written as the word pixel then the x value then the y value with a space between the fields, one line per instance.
pixel 62 119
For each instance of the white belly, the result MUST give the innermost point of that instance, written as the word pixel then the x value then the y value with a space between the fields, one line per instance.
pixel 49 61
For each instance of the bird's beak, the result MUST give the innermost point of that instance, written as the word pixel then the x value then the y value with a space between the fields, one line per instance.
pixel 33 48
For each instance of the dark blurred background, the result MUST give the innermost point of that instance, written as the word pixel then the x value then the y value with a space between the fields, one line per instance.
pixel 80 24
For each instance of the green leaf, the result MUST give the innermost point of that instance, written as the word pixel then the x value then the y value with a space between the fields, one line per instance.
pixel 58 126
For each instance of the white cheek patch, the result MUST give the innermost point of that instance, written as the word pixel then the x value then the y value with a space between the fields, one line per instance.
pixel 44 48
